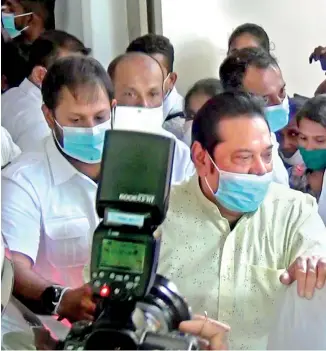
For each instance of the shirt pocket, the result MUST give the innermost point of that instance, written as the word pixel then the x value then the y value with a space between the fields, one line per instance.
pixel 261 287
pixel 67 241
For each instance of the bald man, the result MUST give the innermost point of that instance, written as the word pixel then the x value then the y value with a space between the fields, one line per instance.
pixel 138 80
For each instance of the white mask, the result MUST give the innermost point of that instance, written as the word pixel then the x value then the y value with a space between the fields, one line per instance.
pixel 141 119
pixel 295 160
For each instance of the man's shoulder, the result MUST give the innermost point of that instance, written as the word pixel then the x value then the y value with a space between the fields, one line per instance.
pixel 181 195
pixel 281 193
pixel 27 167
pixel 283 201
pixel 13 94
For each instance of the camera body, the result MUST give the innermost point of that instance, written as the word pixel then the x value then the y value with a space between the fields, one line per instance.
pixel 136 309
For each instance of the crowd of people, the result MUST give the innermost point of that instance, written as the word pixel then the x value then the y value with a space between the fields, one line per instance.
pixel 247 209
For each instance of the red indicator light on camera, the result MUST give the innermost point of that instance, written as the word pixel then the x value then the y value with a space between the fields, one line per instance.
pixel 105 291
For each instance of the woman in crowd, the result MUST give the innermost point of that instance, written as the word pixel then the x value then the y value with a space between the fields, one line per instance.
pixel 197 96
pixel 311 121
pixel 289 151
pixel 248 35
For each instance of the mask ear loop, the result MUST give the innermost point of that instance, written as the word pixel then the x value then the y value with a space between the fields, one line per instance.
pixel 113 117
pixel 23 15
pixel 164 81
pixel 209 187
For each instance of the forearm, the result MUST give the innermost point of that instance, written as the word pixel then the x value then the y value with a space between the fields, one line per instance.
pixel 28 284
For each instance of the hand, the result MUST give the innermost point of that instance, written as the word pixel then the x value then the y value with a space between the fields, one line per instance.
pixel 318 54
pixel 315 181
pixel 310 272
pixel 77 304
pixel 213 333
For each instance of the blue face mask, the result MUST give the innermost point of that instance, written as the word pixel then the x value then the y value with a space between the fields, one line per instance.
pixel 241 192
pixel 84 144
pixel 8 22
pixel 278 116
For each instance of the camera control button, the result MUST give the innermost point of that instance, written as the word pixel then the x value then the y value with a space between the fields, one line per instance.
pixel 119 278
pixel 97 283
pixel 94 274
pixel 126 277
pixel 101 274
pixel 129 285
pixel 137 279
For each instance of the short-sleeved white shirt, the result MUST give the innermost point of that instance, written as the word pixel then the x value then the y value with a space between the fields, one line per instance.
pixel 9 150
pixel 48 213
pixel 22 116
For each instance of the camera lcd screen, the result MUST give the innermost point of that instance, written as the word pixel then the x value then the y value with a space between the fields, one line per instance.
pixel 127 256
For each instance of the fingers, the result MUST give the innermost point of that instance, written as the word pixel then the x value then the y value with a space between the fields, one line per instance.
pixel 87 290
pixel 199 317
pixel 208 329
pixel 311 278
pixel 285 278
pixel 298 272
pixel 321 273
pixel 309 272
pixel 203 328
pixel 317 54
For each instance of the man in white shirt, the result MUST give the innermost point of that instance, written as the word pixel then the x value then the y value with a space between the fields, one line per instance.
pixel 138 80
pixel 230 233
pixel 9 150
pixel 21 107
pixel 48 196
pixel 256 71
pixel 160 48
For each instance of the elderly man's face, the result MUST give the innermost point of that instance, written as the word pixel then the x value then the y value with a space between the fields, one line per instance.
pixel 246 148
pixel 268 83
pixel 138 81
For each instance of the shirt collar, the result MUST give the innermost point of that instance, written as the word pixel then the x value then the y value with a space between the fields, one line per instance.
pixel 62 170
pixel 202 199
pixel 172 103
pixel 30 88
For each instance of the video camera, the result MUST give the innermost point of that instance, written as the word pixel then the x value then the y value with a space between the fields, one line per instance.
pixel 137 309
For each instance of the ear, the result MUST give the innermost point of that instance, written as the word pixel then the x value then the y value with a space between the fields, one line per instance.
pixel 114 104
pixel 38 75
pixel 48 115
pixel 200 159
pixel 173 78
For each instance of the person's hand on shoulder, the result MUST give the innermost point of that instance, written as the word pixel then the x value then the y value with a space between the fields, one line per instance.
pixel 212 333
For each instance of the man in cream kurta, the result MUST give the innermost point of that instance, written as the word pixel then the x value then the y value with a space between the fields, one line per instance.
pixel 224 261
pixel 234 275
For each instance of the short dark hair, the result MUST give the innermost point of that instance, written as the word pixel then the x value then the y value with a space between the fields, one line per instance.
pixel 75 73
pixel 254 30
pixel 42 8
pixel 234 67
pixel 46 48
pixel 208 86
pixel 227 105
pixel 154 44
pixel 13 65
pixel 314 110
pixel 115 62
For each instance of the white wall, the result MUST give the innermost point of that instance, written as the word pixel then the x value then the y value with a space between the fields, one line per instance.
pixel 101 24
pixel 199 31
